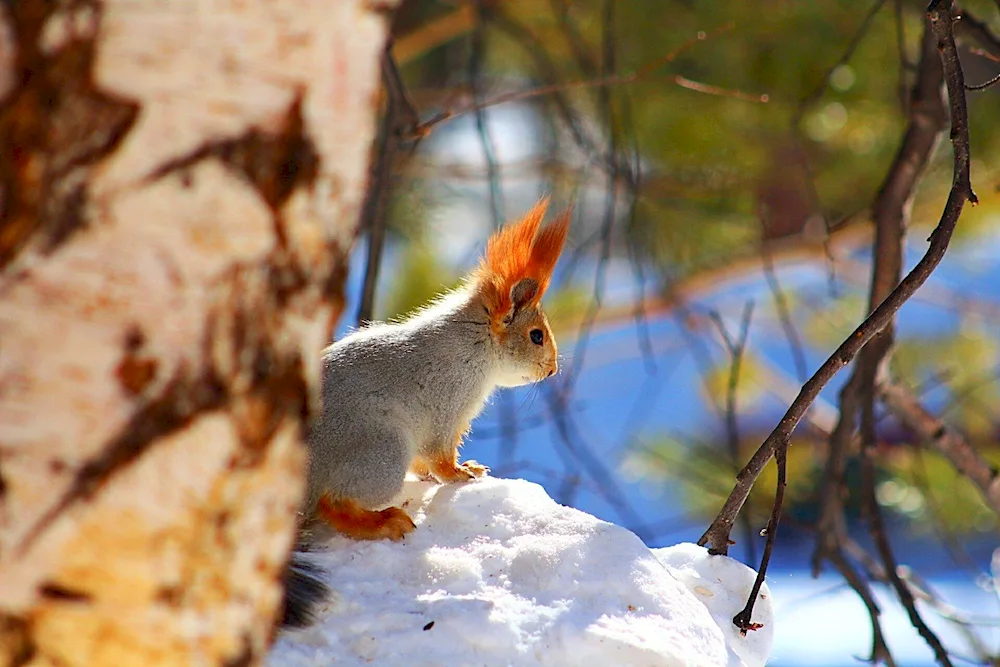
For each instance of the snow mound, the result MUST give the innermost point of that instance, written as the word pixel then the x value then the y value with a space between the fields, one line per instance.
pixel 723 586
pixel 497 573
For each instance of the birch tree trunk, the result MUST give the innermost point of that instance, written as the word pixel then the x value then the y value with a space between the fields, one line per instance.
pixel 179 186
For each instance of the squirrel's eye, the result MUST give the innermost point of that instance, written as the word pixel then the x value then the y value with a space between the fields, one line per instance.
pixel 536 336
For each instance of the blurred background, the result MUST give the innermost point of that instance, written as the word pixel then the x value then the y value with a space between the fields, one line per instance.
pixel 723 159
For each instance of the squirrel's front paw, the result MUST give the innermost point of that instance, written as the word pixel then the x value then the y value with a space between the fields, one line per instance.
pixel 448 471
pixel 475 468
pixel 421 470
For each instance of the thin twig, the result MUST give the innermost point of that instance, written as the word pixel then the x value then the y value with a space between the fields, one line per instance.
pixel 943 528
pixel 577 44
pixel 940 21
pixel 831 525
pixel 611 196
pixel 984 54
pixel 685 320
pixel 608 80
pixel 550 75
pixel 639 314
pixel 890 212
pixel 718 91
pixel 845 57
pixel 743 620
pixel 923 592
pixel 784 312
pixel 434 33
pixel 983 86
pixel 633 179
pixel 399 116
pixel 880 650
pixel 572 441
pixel 979 30
pixel 718 532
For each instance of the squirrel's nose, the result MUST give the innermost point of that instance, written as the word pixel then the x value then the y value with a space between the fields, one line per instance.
pixel 552 371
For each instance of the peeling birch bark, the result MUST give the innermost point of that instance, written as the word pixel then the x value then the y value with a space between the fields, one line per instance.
pixel 179 186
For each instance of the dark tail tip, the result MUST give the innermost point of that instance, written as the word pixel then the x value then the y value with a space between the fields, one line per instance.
pixel 304 591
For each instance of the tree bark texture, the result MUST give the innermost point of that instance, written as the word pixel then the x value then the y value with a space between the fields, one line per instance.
pixel 179 187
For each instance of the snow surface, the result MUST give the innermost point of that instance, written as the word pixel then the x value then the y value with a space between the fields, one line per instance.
pixel 498 573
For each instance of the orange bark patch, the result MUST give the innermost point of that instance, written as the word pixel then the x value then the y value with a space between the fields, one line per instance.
pixel 135 373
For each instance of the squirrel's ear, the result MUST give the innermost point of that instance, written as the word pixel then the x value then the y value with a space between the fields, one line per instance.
pixel 509 249
pixel 516 253
pixel 508 253
pixel 546 249
pixel 523 292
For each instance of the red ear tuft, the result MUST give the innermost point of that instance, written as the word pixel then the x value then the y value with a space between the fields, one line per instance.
pixel 519 251
pixel 508 250
pixel 546 250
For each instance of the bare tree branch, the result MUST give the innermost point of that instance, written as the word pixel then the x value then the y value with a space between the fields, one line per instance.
pixel 881 538
pixel 435 33
pixel 890 213
pixel 944 440
pixel 940 18
pixel 874 378
pixel 880 650
pixel 979 30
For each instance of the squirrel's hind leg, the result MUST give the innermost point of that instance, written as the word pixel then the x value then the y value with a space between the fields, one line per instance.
pixel 352 520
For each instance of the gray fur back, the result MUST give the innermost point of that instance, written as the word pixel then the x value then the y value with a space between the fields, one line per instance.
pixel 388 389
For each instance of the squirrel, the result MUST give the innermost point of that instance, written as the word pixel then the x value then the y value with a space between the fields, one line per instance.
pixel 399 397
